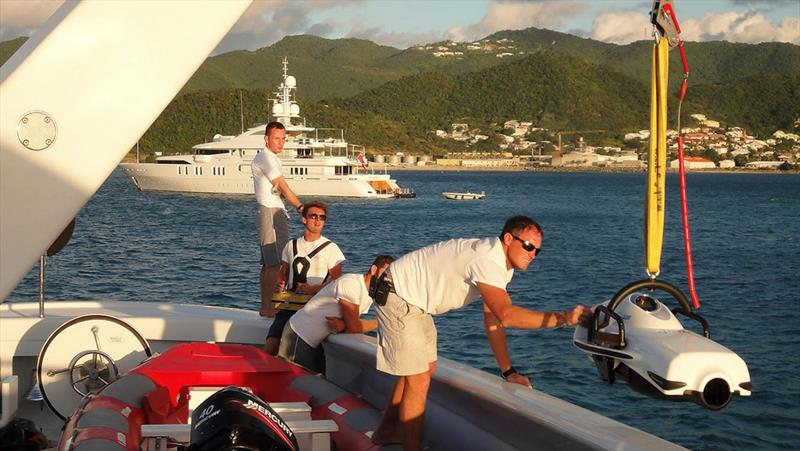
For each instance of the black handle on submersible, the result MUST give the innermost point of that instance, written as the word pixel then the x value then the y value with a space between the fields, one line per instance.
pixel 654 284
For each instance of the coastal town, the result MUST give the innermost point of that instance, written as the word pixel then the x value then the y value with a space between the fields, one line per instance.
pixel 521 145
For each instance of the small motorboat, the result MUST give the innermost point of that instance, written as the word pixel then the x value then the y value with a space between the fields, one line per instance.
pixel 404 193
pixel 634 336
pixel 464 196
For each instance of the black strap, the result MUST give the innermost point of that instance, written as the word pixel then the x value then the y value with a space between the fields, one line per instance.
pixel 301 265
pixel 317 250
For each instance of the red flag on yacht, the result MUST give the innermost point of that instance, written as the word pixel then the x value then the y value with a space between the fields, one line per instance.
pixel 362 161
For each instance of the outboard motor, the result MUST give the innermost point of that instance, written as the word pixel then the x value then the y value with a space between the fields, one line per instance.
pixel 637 338
pixel 234 419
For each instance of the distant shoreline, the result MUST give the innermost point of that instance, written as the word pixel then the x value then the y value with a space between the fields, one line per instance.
pixel 434 168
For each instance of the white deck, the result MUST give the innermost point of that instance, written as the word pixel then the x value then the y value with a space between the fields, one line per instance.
pixel 488 412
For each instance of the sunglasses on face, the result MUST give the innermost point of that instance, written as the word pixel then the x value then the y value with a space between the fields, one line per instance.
pixel 316 216
pixel 528 246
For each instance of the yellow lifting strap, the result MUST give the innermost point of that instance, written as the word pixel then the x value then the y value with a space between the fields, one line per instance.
pixel 289 301
pixel 657 161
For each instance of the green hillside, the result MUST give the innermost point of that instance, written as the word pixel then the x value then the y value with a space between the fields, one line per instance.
pixel 555 91
pixel 325 67
pixel 762 104
pixel 196 117
pixel 345 67
pixel 390 99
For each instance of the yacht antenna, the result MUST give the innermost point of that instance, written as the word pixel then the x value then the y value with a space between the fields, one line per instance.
pixel 241 111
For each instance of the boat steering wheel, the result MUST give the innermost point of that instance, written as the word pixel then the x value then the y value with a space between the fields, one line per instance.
pixel 93 374
pixel 103 347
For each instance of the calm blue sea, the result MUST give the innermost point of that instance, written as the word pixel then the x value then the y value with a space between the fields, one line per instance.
pixel 745 229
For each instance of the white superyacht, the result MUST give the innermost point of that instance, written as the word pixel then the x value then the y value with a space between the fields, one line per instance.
pixel 313 165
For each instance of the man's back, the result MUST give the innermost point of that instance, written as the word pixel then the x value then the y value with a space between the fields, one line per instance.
pixel 310 324
pixel 442 277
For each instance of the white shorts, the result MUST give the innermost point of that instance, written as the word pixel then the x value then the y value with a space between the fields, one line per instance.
pixel 406 338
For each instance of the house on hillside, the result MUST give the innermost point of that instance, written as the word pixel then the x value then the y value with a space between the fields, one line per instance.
pixel 693 163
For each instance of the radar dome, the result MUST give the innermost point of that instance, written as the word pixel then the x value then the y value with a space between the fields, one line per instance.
pixel 295 109
pixel 277 109
pixel 290 81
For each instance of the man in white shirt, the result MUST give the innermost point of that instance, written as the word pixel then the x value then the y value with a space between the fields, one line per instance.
pixel 443 277
pixel 270 186
pixel 308 263
pixel 337 308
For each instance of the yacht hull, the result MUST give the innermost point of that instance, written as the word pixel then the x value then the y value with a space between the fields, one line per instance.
pixel 232 179
pixel 488 412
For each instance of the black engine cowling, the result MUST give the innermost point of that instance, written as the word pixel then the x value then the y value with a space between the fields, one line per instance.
pixel 234 419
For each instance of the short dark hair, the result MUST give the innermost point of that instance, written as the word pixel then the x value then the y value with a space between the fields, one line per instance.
pixel 520 223
pixel 382 260
pixel 272 125
pixel 315 204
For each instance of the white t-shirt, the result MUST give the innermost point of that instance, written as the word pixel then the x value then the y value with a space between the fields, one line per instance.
pixel 321 263
pixel 444 276
pixel 266 167
pixel 309 323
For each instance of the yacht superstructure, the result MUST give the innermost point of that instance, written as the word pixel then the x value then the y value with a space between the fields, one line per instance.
pixel 316 162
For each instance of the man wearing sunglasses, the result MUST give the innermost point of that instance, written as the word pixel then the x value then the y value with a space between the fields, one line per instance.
pixel 308 263
pixel 443 277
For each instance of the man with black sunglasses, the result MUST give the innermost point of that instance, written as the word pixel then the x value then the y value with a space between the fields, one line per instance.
pixel 443 277
pixel 308 263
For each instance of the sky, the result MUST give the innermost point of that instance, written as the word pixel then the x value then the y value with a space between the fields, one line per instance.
pixel 405 23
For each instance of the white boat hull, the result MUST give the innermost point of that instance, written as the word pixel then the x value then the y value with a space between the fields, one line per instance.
pixel 487 412
pixel 464 196
pixel 210 178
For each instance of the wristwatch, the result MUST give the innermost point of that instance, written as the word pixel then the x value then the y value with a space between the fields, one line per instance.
pixel 511 370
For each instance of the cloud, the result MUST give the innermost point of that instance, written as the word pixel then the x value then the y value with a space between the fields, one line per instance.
pixel 621 27
pixel 266 22
pixel 750 27
pixel 23 17
pixel 515 15
pixel 394 39
pixel 765 3
pixel 746 26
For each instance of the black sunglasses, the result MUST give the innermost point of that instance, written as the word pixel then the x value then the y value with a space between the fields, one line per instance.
pixel 527 245
pixel 316 216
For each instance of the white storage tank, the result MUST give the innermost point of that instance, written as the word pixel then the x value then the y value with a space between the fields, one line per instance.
pixel 393 159
pixel 379 159
pixel 424 159
pixel 410 159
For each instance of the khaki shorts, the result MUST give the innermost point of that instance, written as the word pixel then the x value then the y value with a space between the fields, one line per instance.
pixel 273 233
pixel 406 338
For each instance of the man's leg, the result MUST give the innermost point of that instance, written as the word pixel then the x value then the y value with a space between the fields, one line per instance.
pixel 412 408
pixel 392 429
pixel 280 323
pixel 268 281
pixel 272 345
pixel 388 430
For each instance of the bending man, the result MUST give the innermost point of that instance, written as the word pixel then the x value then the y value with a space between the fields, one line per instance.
pixel 336 308
pixel 443 277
